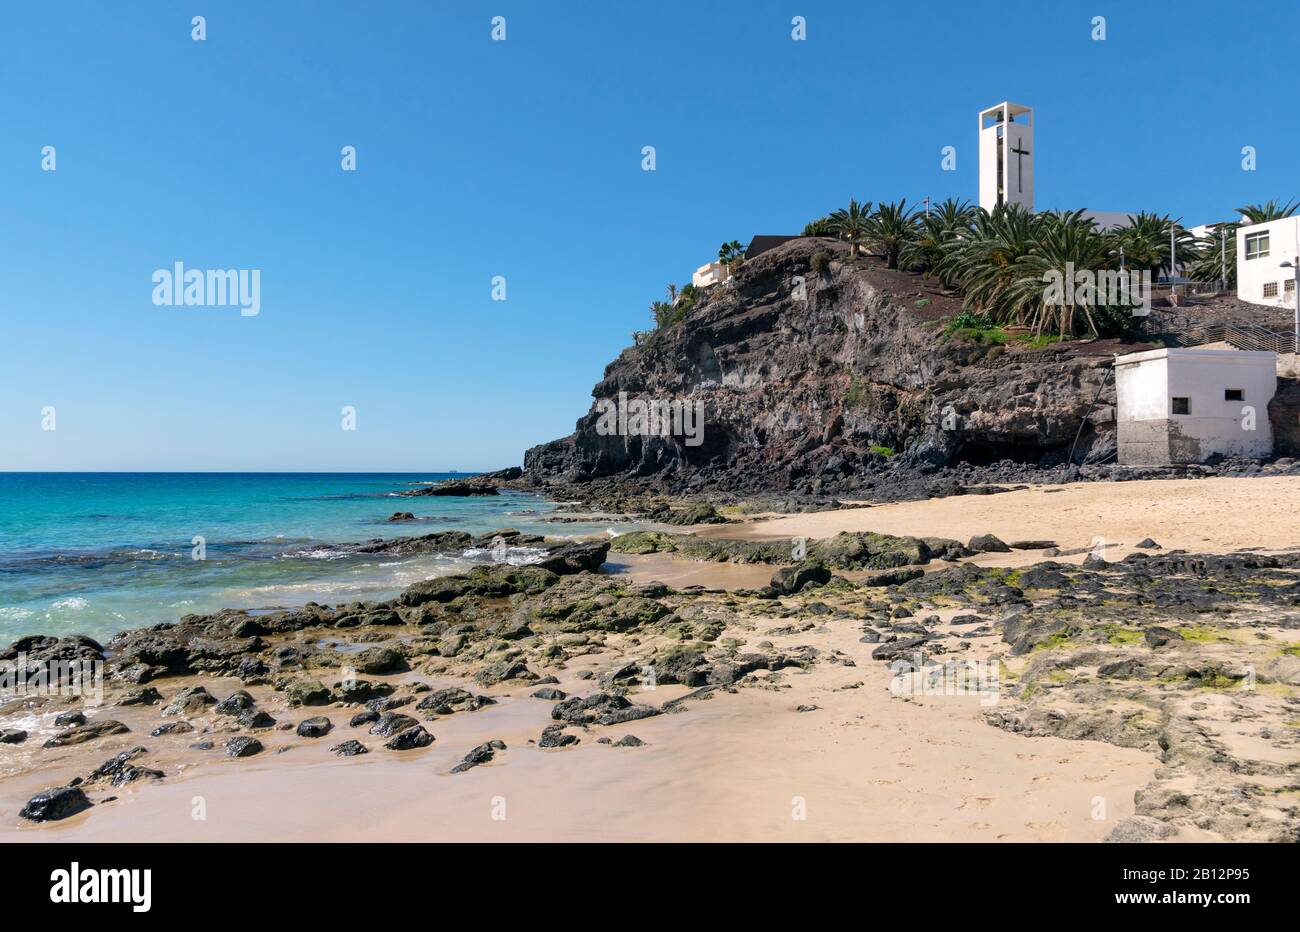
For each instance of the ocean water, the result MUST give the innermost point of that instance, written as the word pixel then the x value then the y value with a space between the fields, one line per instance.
pixel 97 553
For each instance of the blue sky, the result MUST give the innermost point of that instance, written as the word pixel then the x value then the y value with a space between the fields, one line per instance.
pixel 521 159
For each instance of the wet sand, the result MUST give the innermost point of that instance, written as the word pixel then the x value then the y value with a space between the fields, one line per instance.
pixel 865 766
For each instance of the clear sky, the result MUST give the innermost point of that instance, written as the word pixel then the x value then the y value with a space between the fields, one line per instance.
pixel 478 158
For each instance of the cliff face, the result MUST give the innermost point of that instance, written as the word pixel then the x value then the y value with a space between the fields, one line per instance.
pixel 798 386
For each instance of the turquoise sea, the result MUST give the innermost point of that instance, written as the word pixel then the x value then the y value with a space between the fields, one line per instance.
pixel 97 553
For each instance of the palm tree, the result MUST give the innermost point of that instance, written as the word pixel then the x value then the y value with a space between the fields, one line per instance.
pixel 851 224
pixel 672 292
pixel 954 214
pixel 1263 213
pixel 1064 242
pixel 982 261
pixel 731 254
pixel 1216 260
pixel 889 229
pixel 1146 240
pixel 822 226
pixel 936 233
pixel 663 314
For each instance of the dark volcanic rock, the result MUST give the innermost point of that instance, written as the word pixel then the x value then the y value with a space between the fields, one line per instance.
pixel 587 556
pixel 554 736
pixel 350 748
pixel 607 708
pixel 457 488
pixel 411 738
pixel 390 723
pixel 189 701
pixel 697 513
pixel 243 746
pixel 119 770
pixel 480 755
pixel 987 543
pixel 379 661
pixel 13 736
pixel 256 719
pixel 453 699
pixel 172 728
pixel 68 719
pixel 80 734
pixel 1158 636
pixel 800 391
pixel 316 727
pixel 308 692
pixel 501 671
pixel 235 703
pixel 893 577
pixel 145 695
pixel 896 649
pixel 55 804
pixel 792 579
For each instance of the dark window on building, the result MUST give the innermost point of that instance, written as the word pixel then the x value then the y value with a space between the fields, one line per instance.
pixel 1182 406
pixel 1233 394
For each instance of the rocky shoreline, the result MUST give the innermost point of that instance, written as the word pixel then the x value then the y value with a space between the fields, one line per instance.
pixel 1190 658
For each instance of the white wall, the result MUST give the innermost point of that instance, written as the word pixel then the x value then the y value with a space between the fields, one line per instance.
pixel 1146 384
pixel 711 274
pixel 1140 389
pixel 1019 135
pixel 1253 274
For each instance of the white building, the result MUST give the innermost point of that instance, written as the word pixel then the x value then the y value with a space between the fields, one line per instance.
pixel 1108 219
pixel 1185 405
pixel 1007 156
pixel 712 273
pixel 1261 250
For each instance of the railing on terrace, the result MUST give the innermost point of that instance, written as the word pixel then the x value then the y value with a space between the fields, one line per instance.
pixel 1242 336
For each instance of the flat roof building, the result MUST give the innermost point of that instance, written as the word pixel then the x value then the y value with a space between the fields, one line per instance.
pixel 1261 250
pixel 1186 405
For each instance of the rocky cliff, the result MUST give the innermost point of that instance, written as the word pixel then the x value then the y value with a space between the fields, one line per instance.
pixel 817 372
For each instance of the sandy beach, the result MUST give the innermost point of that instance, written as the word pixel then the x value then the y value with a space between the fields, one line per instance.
pixel 858 763
pixel 865 766
pixel 1213 515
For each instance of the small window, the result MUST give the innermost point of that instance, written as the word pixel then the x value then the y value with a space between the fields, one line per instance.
pixel 1182 406
pixel 1257 245
pixel 1270 289
pixel 1290 285
pixel 1234 394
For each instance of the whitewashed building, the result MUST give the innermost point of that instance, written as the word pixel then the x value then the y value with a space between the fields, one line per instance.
pixel 1006 146
pixel 1261 250
pixel 712 273
pixel 1185 405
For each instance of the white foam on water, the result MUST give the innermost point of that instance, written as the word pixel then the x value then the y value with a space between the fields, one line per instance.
pixel 515 556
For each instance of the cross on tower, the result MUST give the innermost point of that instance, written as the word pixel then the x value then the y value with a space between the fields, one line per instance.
pixel 1019 165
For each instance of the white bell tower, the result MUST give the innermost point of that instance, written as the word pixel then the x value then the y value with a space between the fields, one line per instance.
pixel 1007 156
